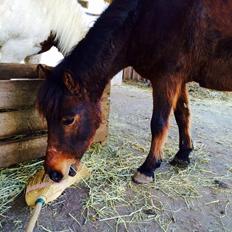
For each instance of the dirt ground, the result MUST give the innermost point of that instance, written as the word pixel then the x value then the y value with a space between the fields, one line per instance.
pixel 131 108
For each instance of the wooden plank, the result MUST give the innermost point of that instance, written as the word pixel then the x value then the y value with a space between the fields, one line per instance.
pixel 130 74
pixel 136 76
pixel 16 94
pixel 17 71
pixel 127 73
pixel 17 152
pixel 20 122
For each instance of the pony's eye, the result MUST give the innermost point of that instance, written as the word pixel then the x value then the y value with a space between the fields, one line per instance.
pixel 68 121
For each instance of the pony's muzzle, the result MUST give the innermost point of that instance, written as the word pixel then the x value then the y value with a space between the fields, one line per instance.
pixel 59 165
pixel 57 176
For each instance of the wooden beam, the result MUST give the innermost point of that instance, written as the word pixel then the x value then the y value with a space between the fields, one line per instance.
pixel 17 94
pixel 17 71
pixel 127 73
pixel 18 151
pixel 20 122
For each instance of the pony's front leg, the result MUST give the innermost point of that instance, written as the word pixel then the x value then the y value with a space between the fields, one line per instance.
pixel 165 95
pixel 182 115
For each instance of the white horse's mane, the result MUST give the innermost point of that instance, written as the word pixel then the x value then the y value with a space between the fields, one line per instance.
pixel 24 24
pixel 68 20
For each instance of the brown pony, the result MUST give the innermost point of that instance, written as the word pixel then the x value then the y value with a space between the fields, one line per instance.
pixel 169 43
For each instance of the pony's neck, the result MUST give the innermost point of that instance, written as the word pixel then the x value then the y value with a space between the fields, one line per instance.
pixel 103 52
pixel 68 21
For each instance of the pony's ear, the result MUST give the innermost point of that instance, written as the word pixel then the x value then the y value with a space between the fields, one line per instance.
pixel 43 71
pixel 72 86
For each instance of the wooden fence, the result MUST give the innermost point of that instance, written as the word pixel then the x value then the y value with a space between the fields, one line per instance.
pixel 23 134
pixel 129 74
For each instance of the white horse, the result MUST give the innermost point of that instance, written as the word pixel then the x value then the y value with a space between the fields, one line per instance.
pixel 29 27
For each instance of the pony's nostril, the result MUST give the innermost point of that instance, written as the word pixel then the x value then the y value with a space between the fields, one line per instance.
pixel 72 170
pixel 55 176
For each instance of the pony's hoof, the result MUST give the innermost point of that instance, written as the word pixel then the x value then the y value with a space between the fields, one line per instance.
pixel 140 178
pixel 179 162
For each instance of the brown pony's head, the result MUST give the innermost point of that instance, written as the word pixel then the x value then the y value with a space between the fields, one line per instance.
pixel 72 120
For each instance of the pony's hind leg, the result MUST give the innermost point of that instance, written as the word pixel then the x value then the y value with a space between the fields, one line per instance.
pixel 182 115
pixel 165 95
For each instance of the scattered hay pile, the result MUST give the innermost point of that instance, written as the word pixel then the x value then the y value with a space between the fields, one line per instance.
pixel 13 181
pixel 111 189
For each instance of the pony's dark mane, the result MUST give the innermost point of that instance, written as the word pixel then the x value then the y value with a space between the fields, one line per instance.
pixel 88 51
pixel 84 58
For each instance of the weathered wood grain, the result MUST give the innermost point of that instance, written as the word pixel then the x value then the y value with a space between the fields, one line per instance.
pixel 17 71
pixel 130 74
pixel 127 73
pixel 16 94
pixel 23 150
pixel 20 122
